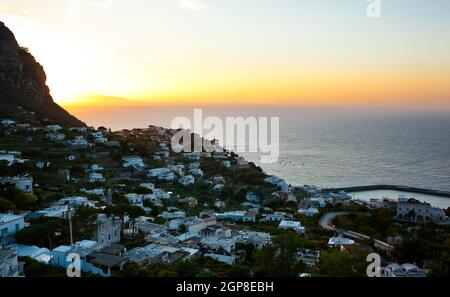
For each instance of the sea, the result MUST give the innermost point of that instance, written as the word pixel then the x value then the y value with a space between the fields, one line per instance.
pixel 328 147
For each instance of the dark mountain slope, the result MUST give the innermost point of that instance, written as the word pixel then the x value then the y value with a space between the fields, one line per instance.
pixel 23 84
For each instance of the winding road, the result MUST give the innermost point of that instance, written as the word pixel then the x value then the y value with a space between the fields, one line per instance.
pixel 326 222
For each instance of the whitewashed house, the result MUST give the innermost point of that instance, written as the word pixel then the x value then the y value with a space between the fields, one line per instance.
pixel 9 225
pixel 148 186
pixel 96 177
pixel 78 129
pixel 178 169
pixel 54 128
pixel 277 217
pixel 294 225
pixel 134 162
pixel 56 136
pixel 23 183
pixel 9 263
pixel 11 158
pixel 135 199
pixel 196 172
pixel 340 241
pixel 173 215
pixel 187 180
pixel 310 212
pixel 8 122
pixel 237 216
pixel 79 141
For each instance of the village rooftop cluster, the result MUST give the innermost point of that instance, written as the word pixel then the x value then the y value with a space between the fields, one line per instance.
pixel 189 204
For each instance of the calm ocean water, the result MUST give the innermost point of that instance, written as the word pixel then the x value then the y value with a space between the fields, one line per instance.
pixel 330 147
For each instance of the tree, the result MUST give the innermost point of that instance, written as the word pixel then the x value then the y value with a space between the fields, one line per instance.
pixel 279 259
pixel 44 232
pixel 6 205
pixel 411 251
pixel 348 263
pixel 120 210
pixel 440 266
pixel 239 270
pixel 33 268
pixel 84 222
pixel 22 201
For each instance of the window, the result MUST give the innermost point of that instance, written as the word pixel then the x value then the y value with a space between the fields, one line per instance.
pixel 4 232
pixel 17 228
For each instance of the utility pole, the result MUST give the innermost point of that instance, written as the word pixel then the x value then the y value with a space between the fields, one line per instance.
pixel 70 228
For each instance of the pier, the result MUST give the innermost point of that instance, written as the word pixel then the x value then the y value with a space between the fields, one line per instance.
pixel 439 193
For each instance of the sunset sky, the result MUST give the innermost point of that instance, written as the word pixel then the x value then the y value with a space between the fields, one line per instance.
pixel 318 52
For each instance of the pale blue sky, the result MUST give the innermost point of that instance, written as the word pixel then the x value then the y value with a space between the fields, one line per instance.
pixel 303 50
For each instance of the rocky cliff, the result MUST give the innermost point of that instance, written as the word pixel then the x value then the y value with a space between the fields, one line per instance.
pixel 23 84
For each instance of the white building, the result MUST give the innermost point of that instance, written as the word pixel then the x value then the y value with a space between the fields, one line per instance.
pixel 9 263
pixel 78 129
pixel 194 156
pixel 276 181
pixel 218 243
pixel 42 255
pixel 135 199
pixel 95 192
pixel 96 177
pixel 277 217
pixel 9 225
pixel 310 212
pixel 309 257
pixel 55 211
pixel 8 122
pixel 187 180
pixel 193 225
pixel 405 270
pixel 196 172
pixel 77 201
pixel 414 210
pixel 340 241
pixel 56 136
pixel 158 194
pixel 195 165
pixel 320 200
pixel 108 230
pixel 148 186
pixel 178 169
pixel 294 225
pixel 54 128
pixel 173 215
pixel 79 141
pixel 229 260
pixel 23 183
pixel 237 216
pixel 257 239
pixel 134 162
pixel 11 158
pixel 164 174
pixel 94 258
